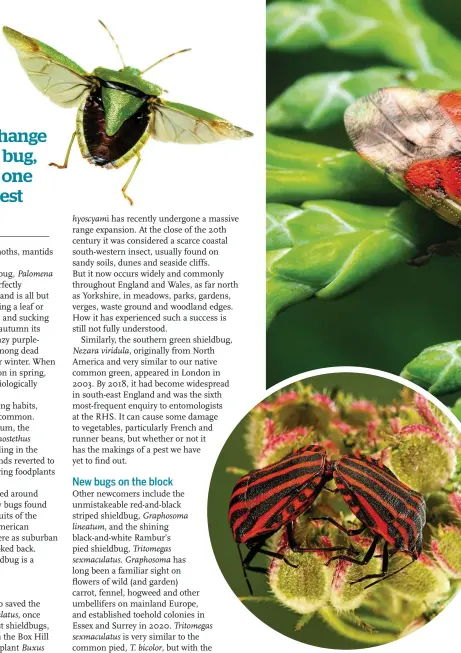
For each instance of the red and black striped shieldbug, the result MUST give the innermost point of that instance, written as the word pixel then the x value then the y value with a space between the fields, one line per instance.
pixel 386 506
pixel 267 499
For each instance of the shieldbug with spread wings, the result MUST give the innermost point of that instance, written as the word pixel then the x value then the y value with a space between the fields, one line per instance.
pixel 413 136
pixel 117 109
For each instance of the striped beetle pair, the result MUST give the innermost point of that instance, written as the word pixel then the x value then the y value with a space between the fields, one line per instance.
pixel 266 500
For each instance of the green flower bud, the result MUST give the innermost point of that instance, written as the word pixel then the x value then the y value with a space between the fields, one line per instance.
pixel 263 422
pixel 420 581
pixel 346 594
pixel 257 426
pixel 360 412
pixel 439 508
pixel 436 419
pixel 289 412
pixel 407 410
pixel 446 549
pixel 304 588
pixel 454 499
pixel 311 409
pixel 425 459
pixel 278 446
pixel 341 429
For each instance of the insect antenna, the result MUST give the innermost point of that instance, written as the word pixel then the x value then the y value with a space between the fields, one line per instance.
pixel 390 575
pixel 165 58
pixel 115 42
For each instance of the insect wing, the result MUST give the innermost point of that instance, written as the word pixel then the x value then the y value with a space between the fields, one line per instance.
pixel 266 499
pixel 382 502
pixel 53 74
pixel 178 123
pixel 411 136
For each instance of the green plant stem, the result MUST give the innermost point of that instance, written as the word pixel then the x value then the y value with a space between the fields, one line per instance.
pixel 383 624
pixel 335 621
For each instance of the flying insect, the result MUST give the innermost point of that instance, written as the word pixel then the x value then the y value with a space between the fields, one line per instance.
pixel 118 110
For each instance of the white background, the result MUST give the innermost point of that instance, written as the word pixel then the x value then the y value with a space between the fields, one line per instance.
pixel 224 74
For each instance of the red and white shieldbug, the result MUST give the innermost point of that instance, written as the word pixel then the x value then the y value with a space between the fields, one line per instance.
pixel 413 136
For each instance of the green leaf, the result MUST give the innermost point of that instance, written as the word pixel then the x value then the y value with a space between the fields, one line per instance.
pixel 329 247
pixel 277 232
pixel 437 368
pixel 304 620
pixel 297 171
pixel 319 101
pixel 399 30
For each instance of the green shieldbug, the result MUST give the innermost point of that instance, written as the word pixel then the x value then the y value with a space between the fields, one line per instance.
pixel 117 109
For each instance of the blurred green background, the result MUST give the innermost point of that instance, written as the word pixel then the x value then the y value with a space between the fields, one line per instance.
pixel 391 319
pixel 222 483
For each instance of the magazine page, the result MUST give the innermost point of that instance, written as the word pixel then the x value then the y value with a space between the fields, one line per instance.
pixel 132 316
pixel 214 436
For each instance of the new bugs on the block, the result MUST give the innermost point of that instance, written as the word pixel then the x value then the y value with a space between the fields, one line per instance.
pixel 392 511
pixel 413 137
pixel 117 109
pixel 265 500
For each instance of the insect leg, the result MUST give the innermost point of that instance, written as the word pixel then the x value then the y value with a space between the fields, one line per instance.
pixel 350 531
pixel 447 248
pixel 390 575
pixel 129 180
pixel 297 549
pixel 384 568
pixel 244 569
pixel 258 548
pixel 278 556
pixel 248 558
pixel 66 160
pixel 259 570
pixel 254 550
pixel 368 555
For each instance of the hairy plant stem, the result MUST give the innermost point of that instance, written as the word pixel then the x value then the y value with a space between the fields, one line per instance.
pixel 336 621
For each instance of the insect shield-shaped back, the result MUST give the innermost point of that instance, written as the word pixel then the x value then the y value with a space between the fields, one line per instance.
pixel 267 499
pixel 118 109
pixel 112 127
pixel 413 137
pixel 388 507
